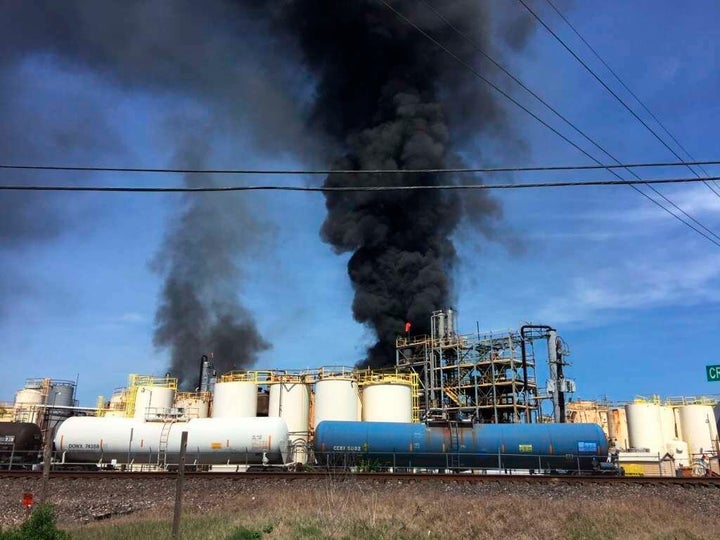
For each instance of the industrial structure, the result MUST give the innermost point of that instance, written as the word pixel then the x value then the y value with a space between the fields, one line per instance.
pixel 485 378
pixel 453 401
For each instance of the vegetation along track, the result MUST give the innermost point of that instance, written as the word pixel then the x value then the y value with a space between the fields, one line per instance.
pixel 698 482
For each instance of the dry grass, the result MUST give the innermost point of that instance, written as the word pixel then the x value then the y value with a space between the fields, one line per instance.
pixel 343 508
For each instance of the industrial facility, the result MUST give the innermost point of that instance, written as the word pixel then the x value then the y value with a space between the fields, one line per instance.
pixel 453 402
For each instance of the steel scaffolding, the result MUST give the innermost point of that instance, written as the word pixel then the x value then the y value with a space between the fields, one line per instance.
pixel 480 378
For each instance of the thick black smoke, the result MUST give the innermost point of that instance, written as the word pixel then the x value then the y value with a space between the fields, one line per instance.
pixel 211 56
pixel 392 100
pixel 200 311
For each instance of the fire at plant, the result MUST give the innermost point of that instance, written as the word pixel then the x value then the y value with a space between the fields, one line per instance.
pixel 453 402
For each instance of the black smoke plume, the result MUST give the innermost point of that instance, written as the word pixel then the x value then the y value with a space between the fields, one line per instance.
pixel 216 57
pixel 391 99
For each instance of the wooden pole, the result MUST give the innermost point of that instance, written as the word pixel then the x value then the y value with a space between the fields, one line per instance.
pixel 179 487
pixel 47 457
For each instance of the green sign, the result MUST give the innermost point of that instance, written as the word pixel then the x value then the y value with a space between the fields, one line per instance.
pixel 713 373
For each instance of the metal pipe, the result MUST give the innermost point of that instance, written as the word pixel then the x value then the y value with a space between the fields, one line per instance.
pixel 523 350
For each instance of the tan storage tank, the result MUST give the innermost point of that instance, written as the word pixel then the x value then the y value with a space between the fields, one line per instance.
pixel 290 400
pixel 234 399
pixel 699 429
pixel 387 402
pixel 644 427
pixel 337 399
pixel 618 428
pixel 193 404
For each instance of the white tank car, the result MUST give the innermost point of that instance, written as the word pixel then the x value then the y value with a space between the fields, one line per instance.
pixel 211 441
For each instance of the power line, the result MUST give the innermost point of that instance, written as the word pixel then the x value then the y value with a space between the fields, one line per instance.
pixel 610 90
pixel 314 172
pixel 477 74
pixel 327 189
pixel 625 86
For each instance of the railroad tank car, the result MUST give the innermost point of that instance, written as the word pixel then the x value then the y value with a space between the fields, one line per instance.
pixel 211 441
pixel 512 446
pixel 20 443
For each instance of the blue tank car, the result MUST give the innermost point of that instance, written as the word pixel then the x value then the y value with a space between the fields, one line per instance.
pixel 574 447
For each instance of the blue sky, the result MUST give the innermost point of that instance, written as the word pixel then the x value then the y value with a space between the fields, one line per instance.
pixel 635 293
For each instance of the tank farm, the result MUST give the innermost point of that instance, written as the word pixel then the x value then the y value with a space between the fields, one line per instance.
pixel 453 403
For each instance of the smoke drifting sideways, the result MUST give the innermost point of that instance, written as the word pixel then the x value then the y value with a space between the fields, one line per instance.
pixel 390 99
pixel 215 57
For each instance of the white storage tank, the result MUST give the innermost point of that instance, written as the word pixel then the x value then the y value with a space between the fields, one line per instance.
pixel 210 440
pixel 679 451
pixel 234 399
pixel 667 423
pixel 29 401
pixel 153 401
pixel 118 403
pixel 193 404
pixel 387 402
pixel 644 427
pixel 699 429
pixel 290 400
pixel 617 427
pixel 337 399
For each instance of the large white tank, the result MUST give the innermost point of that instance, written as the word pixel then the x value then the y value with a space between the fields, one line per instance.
pixel 291 402
pixel 194 405
pixel 617 427
pixel 234 399
pixel 210 440
pixel 644 427
pixel 153 401
pixel 667 423
pixel 387 402
pixel 678 450
pixel 28 402
pixel 699 429
pixel 118 403
pixel 336 399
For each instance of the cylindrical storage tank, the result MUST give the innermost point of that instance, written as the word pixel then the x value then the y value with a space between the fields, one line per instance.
pixel 617 428
pixel 667 423
pixel 679 451
pixel 234 399
pixel 644 427
pixel 336 399
pixel 118 403
pixel 61 395
pixel 497 446
pixel 28 403
pixel 699 429
pixel 387 402
pixel 291 402
pixel 211 441
pixel 153 401
pixel 193 405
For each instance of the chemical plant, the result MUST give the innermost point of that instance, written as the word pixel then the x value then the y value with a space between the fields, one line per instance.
pixel 453 402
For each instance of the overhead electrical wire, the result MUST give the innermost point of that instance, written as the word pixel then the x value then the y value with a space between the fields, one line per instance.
pixel 324 189
pixel 311 172
pixel 563 137
pixel 610 90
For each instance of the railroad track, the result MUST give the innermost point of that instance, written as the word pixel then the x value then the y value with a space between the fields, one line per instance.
pixel 704 482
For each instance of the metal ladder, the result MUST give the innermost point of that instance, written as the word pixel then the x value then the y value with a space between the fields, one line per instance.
pixel 164 438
